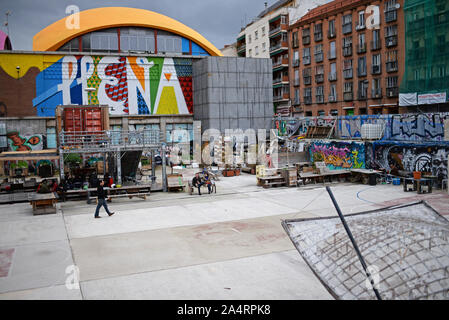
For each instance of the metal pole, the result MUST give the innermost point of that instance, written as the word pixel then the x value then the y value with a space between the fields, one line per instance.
pixel 359 254
pixel 119 166
pixel 164 168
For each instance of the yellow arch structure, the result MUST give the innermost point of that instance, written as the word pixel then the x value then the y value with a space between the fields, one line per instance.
pixel 57 34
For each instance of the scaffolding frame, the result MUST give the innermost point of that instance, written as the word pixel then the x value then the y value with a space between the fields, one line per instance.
pixel 112 142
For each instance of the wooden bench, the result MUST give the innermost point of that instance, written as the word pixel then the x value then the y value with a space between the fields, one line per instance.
pixel 128 191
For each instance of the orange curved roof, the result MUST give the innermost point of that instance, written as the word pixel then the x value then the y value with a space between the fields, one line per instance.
pixel 57 34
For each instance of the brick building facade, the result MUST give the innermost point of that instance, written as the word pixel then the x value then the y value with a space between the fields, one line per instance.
pixel 345 61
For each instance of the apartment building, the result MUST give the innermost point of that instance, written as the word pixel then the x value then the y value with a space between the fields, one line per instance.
pixel 253 41
pixel 347 58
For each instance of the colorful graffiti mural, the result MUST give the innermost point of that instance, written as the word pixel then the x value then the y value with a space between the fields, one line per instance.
pixel 338 154
pixel 292 127
pixel 398 127
pixel 128 84
pixel 17 142
pixel 430 157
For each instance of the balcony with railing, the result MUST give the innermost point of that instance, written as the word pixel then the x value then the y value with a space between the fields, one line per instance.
pixel 277 31
pixel 347 51
pixel 318 36
pixel 331 34
pixel 295 63
pixel 281 97
pixel 331 54
pixel 347 73
pixel 280 63
pixel 332 98
pixel 391 40
pixel 347 28
pixel 376 69
pixel 391 15
pixel 296 101
pixel 392 66
pixel 319 57
pixel 375 45
pixel 319 98
pixel 241 48
pixel 278 47
pixel 296 82
pixel 284 79
pixel 392 92
pixel 376 93
pixel 332 76
pixel 319 78
pixel 361 48
pixel 347 96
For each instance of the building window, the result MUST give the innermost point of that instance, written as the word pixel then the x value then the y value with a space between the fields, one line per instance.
pixel 295 42
pixel 283 19
pixel 347 23
pixel 333 93
pixel 307 75
pixel 319 73
pixel 331 31
pixel 347 46
pixel 347 93
pixel 319 53
pixel 296 83
pixel 306 56
pixel 308 95
pixel 332 52
pixel 250 52
pixel 361 22
pixel 257 50
pixel 376 66
pixel 375 43
pixel 361 70
pixel 263 47
pixel 255 35
pixel 363 90
pixel 376 89
pixel 296 58
pixel 333 72
pixel 347 69
pixel 318 32
pixel 263 31
pixel 249 38
pixel 361 46
pixel 306 36
pixel 333 112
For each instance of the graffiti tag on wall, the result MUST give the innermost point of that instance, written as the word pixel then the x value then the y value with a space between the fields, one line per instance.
pixel 339 155
pixel 129 85
pixel 430 158
pixel 17 142
pixel 398 127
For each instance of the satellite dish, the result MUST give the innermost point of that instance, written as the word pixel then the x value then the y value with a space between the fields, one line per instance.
pixel 397 5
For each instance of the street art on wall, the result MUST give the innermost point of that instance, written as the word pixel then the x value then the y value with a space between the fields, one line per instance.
pixel 292 127
pixel 397 127
pixel 338 154
pixel 18 142
pixel 410 157
pixel 129 85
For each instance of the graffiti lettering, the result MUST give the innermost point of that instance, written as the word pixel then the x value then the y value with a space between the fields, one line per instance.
pixel 339 155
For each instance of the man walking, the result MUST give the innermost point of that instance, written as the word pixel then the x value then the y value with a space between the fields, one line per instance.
pixel 101 194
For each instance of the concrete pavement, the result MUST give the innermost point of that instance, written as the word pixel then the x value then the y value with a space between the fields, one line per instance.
pixel 228 245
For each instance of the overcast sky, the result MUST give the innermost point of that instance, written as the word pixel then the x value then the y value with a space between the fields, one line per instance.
pixel 219 21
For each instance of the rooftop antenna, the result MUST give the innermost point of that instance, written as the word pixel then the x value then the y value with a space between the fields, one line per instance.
pixel 8 13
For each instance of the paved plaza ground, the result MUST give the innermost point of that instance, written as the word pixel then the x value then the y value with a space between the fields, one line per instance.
pixel 228 245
